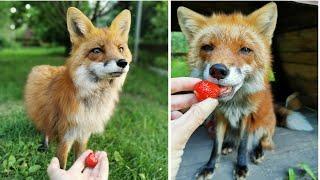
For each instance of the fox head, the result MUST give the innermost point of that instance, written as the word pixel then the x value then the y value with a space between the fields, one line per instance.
pixel 231 50
pixel 98 53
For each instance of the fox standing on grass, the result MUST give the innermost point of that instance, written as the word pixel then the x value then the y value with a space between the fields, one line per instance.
pixel 234 51
pixel 73 101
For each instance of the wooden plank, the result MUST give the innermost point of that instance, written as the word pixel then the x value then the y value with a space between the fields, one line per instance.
pixel 297 41
pixel 310 100
pixel 303 79
pixel 307 58
pixel 307 88
pixel 300 71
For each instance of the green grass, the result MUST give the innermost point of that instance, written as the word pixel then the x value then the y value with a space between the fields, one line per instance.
pixel 303 171
pixel 179 66
pixel 135 138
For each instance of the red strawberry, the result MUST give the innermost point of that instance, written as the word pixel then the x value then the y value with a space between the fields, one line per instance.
pixel 91 160
pixel 206 89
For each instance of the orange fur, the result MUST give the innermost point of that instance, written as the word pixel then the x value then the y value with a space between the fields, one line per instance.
pixel 68 102
pixel 263 117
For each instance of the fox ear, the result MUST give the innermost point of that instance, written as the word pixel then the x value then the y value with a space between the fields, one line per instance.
pixel 190 22
pixel 121 24
pixel 78 24
pixel 265 19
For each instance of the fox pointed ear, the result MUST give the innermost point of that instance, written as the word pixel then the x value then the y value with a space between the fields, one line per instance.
pixel 190 22
pixel 78 24
pixel 121 24
pixel 265 19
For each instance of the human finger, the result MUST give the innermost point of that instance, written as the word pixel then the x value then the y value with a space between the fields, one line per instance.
pixel 183 84
pixel 79 164
pixel 182 101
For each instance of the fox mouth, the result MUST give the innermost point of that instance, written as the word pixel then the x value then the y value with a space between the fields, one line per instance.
pixel 226 91
pixel 115 74
pixel 96 78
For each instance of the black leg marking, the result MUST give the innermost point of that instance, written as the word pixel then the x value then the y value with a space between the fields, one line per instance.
pixel 257 154
pixel 227 147
pixel 44 144
pixel 206 171
pixel 241 170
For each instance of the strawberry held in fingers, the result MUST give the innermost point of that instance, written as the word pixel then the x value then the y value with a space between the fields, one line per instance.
pixel 206 89
pixel 91 160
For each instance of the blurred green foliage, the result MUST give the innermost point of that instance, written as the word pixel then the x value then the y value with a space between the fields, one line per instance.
pixel 179 43
pixel 179 66
pixel 5 32
pixel 44 23
pixel 155 22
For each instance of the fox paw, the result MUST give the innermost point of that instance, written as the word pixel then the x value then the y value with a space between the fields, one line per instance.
pixel 226 151
pixel 257 157
pixel 43 148
pixel 205 173
pixel 227 148
pixel 241 172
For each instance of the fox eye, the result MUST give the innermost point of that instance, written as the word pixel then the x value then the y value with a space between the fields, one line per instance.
pixel 121 49
pixel 207 47
pixel 245 50
pixel 96 50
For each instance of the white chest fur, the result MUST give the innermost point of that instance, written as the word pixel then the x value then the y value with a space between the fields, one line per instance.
pixel 97 103
pixel 236 109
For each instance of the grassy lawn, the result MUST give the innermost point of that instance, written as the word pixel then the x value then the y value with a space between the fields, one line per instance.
pixel 135 139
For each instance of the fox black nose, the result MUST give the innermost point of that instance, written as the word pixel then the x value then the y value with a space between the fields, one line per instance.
pixel 219 71
pixel 122 63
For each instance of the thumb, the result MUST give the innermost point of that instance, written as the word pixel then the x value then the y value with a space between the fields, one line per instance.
pixel 184 126
pixel 80 162
pixel 53 166
pixel 198 113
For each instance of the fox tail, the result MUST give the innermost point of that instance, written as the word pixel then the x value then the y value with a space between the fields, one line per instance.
pixel 288 116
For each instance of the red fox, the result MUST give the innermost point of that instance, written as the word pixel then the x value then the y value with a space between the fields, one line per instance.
pixel 234 51
pixel 70 102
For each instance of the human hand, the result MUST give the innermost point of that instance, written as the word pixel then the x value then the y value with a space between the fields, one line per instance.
pixel 182 101
pixel 183 125
pixel 78 169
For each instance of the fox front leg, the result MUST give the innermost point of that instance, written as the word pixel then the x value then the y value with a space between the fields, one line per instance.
pixel 63 151
pixel 44 144
pixel 207 171
pixel 257 154
pixel 80 146
pixel 241 169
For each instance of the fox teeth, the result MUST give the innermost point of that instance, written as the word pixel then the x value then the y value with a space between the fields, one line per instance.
pixel 229 89
pixel 226 90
